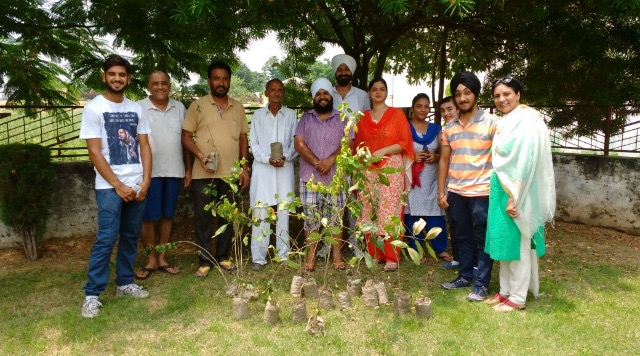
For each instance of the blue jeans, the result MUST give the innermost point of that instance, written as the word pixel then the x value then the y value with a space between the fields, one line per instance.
pixel 469 220
pixel 439 244
pixel 115 217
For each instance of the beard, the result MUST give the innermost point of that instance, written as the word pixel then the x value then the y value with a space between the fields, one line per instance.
pixel 323 109
pixel 474 103
pixel 220 91
pixel 343 80
pixel 116 91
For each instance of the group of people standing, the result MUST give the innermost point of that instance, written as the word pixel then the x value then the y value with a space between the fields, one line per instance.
pixel 496 182
pixel 447 169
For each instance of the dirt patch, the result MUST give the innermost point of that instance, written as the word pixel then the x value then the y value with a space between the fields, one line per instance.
pixel 593 244
pixel 589 243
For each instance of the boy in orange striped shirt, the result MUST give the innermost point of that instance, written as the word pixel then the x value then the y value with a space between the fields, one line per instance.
pixel 466 161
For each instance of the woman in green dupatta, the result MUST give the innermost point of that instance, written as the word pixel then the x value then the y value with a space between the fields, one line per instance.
pixel 522 195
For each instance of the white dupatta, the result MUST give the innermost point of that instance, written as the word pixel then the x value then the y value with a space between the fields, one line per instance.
pixel 523 163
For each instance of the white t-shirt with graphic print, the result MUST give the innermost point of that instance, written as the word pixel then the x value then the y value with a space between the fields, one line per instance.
pixel 118 125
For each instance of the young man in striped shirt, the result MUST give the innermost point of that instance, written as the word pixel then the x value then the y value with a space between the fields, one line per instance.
pixel 466 161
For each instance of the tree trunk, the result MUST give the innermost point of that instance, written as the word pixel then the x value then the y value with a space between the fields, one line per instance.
pixel 29 243
pixel 443 67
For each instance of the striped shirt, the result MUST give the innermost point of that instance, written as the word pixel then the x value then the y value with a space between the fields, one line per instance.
pixel 470 162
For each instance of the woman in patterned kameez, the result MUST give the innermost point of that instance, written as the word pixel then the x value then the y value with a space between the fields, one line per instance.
pixel 385 131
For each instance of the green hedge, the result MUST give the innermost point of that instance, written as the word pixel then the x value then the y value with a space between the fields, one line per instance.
pixel 27 176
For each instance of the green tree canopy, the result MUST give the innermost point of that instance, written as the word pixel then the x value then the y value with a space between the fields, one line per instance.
pixel 583 51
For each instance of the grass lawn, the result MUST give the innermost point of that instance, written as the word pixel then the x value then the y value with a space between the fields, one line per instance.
pixel 591 306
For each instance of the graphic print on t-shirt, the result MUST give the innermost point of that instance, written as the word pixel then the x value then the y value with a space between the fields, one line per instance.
pixel 122 135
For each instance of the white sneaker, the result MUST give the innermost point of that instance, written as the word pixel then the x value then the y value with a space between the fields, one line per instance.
pixel 131 290
pixel 91 308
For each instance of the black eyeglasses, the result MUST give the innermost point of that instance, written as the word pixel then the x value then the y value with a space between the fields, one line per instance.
pixel 505 80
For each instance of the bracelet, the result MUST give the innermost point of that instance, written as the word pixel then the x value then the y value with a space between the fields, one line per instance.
pixel 443 195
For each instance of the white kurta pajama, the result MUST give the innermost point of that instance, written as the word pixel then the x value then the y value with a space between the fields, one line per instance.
pixel 268 181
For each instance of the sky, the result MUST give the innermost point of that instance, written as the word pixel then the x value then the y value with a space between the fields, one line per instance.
pixel 400 92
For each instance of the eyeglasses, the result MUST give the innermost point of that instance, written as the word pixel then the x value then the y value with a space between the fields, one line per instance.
pixel 505 80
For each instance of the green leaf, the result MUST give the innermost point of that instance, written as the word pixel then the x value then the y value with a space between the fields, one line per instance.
pixel 383 179
pixel 370 262
pixel 389 170
pixel 378 242
pixel 399 243
pixel 415 256
pixel 432 253
pixel 433 233
pixel 220 230
pixel 293 264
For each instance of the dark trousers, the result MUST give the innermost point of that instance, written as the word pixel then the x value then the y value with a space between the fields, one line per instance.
pixel 203 220
pixel 469 224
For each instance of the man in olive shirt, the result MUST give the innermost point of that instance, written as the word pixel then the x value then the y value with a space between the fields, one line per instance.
pixel 216 124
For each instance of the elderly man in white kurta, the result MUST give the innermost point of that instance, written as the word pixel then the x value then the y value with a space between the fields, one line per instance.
pixel 273 178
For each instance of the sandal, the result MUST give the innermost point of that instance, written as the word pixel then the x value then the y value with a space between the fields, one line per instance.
pixel 309 267
pixel 203 271
pixel 508 306
pixel 168 269
pixel 227 265
pixel 444 256
pixel 144 273
pixel 497 299
pixel 391 266
pixel 340 266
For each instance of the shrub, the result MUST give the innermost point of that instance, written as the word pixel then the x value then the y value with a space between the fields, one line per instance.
pixel 26 186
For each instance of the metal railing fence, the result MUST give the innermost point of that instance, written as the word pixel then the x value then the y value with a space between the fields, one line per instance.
pixel 58 128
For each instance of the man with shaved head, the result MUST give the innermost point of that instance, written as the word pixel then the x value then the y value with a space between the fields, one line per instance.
pixel 168 176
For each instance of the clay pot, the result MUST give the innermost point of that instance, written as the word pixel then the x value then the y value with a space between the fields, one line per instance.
pixel 383 299
pixel 325 300
pixel 370 294
pixel 240 308
pixel 296 287
pixel 401 302
pixel 423 308
pixel 354 286
pixel 299 310
pixel 271 312
pixel 315 326
pixel 344 300
pixel 310 288
pixel 276 151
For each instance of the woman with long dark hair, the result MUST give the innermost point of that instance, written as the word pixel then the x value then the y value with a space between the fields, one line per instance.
pixel 422 201
pixel 385 131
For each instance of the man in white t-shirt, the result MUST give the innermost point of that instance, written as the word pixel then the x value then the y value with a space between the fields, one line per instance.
pixel 123 174
pixel 165 117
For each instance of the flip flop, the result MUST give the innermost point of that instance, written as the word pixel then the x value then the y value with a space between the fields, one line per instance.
pixel 227 266
pixel 309 267
pixel 144 273
pixel 391 266
pixel 168 269
pixel 445 257
pixel 203 271
pixel 341 266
